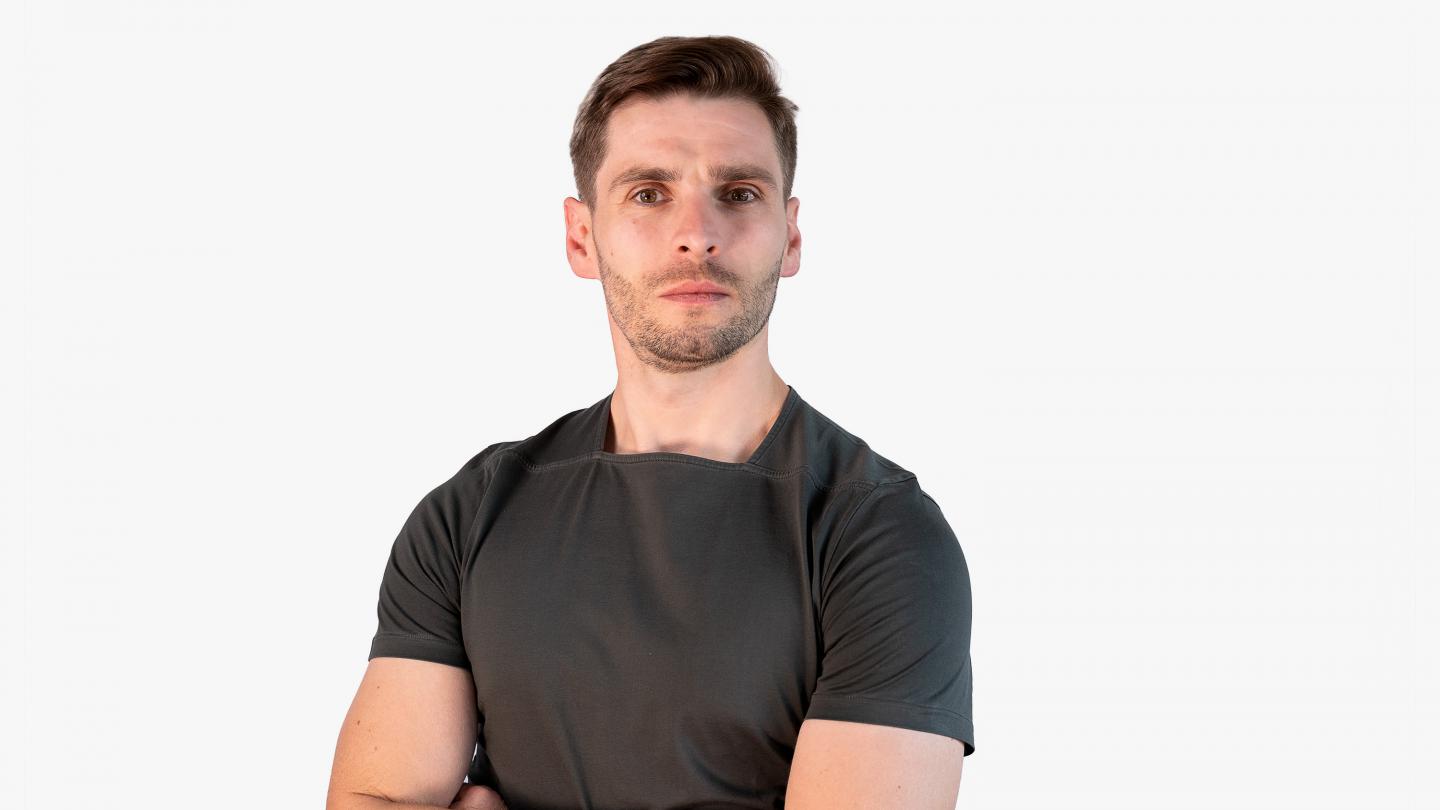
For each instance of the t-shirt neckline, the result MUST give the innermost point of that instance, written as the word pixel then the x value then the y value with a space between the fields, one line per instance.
pixel 597 440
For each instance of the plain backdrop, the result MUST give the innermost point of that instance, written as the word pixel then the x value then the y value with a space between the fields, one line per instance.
pixel 1145 293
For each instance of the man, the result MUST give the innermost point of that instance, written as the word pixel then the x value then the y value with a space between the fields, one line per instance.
pixel 698 591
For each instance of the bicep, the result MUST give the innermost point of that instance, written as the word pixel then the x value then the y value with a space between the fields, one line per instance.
pixel 895 621
pixel 409 734
pixel 839 765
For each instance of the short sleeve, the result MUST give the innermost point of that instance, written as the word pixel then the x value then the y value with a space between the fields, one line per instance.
pixel 419 605
pixel 895 619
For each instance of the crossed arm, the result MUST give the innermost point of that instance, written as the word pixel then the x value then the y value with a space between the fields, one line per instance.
pixel 842 765
pixel 410 733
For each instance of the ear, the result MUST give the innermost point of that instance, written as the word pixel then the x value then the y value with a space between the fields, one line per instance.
pixel 790 263
pixel 579 245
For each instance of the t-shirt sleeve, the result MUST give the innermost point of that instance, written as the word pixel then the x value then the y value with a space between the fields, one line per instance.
pixel 895 619
pixel 419 605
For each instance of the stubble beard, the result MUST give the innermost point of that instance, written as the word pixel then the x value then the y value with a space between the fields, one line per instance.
pixel 680 341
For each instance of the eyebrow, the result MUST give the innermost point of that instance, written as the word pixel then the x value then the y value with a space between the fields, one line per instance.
pixel 726 173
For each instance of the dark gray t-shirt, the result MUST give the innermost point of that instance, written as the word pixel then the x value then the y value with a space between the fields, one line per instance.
pixel 649 630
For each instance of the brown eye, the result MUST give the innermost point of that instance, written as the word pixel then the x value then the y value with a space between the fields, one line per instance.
pixel 753 196
pixel 645 191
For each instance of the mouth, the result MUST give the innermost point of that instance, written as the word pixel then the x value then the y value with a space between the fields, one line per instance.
pixel 695 298
pixel 694 288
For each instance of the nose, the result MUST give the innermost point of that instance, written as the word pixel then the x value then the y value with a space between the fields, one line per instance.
pixel 697 227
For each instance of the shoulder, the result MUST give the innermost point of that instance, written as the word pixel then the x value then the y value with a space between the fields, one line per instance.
pixel 450 506
pixel 834 457
pixel 897 509
pixel 470 478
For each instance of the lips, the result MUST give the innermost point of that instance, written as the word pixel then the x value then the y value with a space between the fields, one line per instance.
pixel 691 287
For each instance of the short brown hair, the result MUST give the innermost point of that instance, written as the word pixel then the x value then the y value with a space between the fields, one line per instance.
pixel 708 67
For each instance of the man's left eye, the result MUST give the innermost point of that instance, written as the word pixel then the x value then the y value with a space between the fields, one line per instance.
pixel 753 195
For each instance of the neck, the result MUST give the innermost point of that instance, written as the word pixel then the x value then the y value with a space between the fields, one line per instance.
pixel 716 414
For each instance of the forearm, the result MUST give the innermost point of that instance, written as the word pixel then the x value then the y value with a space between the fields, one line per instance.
pixel 360 801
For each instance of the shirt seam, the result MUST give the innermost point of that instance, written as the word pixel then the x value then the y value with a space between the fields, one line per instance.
pixel 742 467
pixel 435 639
pixel 840 538
pixel 905 703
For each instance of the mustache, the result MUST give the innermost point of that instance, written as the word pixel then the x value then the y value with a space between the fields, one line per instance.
pixel 681 271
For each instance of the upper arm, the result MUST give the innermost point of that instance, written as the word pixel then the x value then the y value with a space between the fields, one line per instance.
pixel 888 724
pixel 840 765
pixel 409 734
pixel 411 731
pixel 895 619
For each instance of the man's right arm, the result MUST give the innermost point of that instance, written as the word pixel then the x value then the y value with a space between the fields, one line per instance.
pixel 407 740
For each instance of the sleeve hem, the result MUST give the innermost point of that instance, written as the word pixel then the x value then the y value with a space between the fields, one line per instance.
pixel 857 709
pixel 423 648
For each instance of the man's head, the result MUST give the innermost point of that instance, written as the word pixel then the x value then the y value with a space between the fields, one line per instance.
pixel 684 157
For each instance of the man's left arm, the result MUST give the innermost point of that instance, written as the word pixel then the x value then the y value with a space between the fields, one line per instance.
pixel 888 724
pixel 840 765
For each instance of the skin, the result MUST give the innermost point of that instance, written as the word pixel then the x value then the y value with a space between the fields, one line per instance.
pixel 691 379
pixel 477 797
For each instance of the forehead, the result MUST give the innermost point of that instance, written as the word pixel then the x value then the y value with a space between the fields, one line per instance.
pixel 687 128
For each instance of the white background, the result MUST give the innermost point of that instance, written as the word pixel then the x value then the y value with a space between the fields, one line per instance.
pixel 1145 293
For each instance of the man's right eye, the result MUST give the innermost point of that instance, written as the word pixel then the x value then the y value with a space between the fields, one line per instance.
pixel 646 191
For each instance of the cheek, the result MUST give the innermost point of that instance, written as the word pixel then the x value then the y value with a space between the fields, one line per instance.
pixel 644 225
pixel 628 230
pixel 763 239
pixel 634 235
